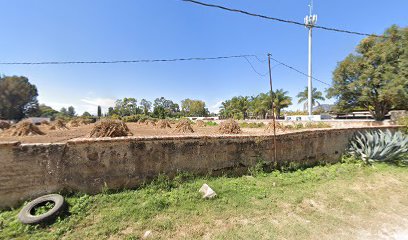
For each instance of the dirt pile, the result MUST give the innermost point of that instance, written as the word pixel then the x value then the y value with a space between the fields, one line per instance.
pixel 4 125
pixel 278 127
pixel 74 123
pixel 45 122
pixel 184 126
pixel 229 127
pixel 59 125
pixel 150 123
pixel 163 124
pixel 200 123
pixel 85 121
pixel 110 128
pixel 25 129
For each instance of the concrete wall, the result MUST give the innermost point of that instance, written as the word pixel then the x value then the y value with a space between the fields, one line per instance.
pixel 89 165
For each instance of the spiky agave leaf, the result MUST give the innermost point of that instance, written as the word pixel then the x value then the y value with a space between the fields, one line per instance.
pixel 379 145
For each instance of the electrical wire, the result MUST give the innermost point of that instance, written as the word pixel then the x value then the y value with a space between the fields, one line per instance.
pixel 126 61
pixel 298 71
pixel 253 68
pixel 282 20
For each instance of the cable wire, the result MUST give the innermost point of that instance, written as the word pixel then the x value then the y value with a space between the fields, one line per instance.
pixel 253 68
pixel 282 20
pixel 298 71
pixel 126 61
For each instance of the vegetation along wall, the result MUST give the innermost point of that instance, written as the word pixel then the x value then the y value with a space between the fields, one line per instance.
pixel 89 165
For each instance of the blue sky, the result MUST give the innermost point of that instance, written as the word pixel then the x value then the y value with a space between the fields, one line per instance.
pixel 50 30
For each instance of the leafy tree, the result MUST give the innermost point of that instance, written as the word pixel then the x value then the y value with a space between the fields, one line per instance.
pixel 281 101
pixel 236 108
pixel 71 111
pixel 99 111
pixel 18 98
pixel 126 107
pixel 64 111
pixel 146 106
pixel 86 114
pixel 165 108
pixel 316 95
pixel 46 111
pixel 195 108
pixel 375 77
pixel 111 111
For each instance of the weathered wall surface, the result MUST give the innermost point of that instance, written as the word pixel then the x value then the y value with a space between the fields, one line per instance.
pixel 89 165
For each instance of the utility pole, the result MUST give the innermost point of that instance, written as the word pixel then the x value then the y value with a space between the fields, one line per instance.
pixel 273 106
pixel 310 22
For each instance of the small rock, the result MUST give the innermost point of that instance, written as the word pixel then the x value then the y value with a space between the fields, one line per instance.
pixel 207 192
pixel 147 234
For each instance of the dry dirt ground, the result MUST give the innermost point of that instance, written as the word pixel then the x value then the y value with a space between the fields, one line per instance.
pixel 60 136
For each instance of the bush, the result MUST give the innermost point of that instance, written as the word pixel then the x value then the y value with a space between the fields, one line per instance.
pixel 404 122
pixel 317 125
pixel 372 146
pixel 211 123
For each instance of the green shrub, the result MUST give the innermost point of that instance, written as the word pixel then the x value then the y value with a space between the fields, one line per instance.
pixel 404 122
pixel 378 145
pixel 211 123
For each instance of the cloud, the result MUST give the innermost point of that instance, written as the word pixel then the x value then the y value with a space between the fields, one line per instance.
pixel 216 107
pixel 103 102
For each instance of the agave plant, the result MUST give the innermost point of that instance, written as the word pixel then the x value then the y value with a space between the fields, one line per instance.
pixel 382 146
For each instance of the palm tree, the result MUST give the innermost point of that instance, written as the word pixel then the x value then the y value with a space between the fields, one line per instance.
pixel 316 95
pixel 281 100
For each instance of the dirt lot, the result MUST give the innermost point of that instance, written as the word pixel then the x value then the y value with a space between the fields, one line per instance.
pixel 61 136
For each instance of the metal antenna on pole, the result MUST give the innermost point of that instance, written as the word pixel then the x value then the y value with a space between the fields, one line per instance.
pixel 310 22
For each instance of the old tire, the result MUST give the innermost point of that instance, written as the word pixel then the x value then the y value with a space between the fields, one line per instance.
pixel 26 217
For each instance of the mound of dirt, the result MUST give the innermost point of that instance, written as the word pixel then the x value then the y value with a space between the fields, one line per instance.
pixel 4 125
pixel 229 127
pixel 163 124
pixel 184 126
pixel 25 129
pixel 85 121
pixel 279 127
pixel 150 123
pixel 45 122
pixel 200 123
pixel 74 123
pixel 59 125
pixel 110 128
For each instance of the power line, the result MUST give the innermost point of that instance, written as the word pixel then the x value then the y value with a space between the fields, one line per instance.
pixel 253 68
pixel 298 71
pixel 126 61
pixel 281 20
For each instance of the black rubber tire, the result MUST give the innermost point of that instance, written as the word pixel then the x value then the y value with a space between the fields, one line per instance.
pixel 26 217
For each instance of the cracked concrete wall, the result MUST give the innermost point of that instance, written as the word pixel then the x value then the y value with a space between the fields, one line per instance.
pixel 90 165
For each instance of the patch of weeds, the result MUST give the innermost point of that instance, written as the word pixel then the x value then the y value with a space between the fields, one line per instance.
pixel 252 125
pixel 211 123
pixel 42 208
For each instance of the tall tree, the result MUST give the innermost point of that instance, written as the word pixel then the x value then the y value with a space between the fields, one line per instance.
pixel 316 95
pixel 71 111
pixel 47 111
pixel 236 108
pixel 194 108
pixel 146 106
pixel 375 77
pixel 99 112
pixel 281 101
pixel 126 107
pixel 18 98
pixel 165 108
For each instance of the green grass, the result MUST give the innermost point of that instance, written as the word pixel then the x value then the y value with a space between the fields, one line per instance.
pixel 289 205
